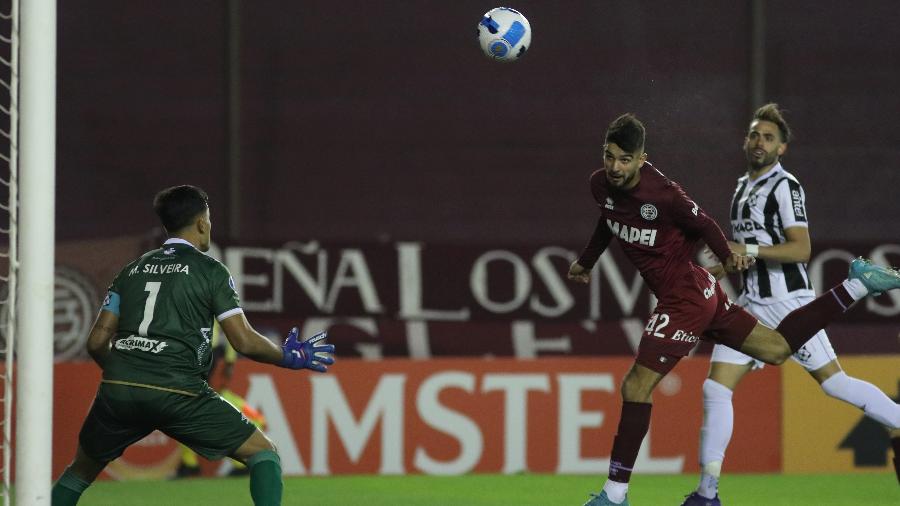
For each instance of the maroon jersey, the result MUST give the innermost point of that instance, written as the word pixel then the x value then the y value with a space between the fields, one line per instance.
pixel 659 228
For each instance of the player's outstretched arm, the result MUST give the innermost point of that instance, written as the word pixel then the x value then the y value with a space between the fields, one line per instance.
pixel 580 270
pixel 101 333
pixel 248 342
pixel 312 353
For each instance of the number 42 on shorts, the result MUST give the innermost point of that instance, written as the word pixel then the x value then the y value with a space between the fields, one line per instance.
pixel 657 322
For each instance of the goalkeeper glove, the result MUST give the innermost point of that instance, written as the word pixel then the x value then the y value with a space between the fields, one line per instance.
pixel 312 353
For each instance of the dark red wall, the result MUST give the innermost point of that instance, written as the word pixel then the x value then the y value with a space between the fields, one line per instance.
pixel 369 120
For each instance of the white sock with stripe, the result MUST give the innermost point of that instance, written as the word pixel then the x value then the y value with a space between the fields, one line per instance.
pixel 718 424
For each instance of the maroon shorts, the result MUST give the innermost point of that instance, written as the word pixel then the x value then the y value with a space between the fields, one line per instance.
pixel 699 309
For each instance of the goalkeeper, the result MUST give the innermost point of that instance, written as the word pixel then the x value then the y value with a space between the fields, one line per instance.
pixel 152 340
pixel 223 353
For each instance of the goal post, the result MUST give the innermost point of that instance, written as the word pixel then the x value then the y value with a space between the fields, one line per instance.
pixel 37 185
pixel 9 78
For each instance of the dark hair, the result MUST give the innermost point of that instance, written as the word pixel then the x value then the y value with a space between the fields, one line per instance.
pixel 178 206
pixel 627 132
pixel 771 113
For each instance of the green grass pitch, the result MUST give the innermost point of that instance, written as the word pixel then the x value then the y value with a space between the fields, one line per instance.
pixel 495 490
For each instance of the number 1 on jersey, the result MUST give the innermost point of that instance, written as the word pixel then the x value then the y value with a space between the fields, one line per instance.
pixel 149 305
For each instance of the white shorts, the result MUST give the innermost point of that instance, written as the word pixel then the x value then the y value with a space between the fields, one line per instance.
pixel 813 355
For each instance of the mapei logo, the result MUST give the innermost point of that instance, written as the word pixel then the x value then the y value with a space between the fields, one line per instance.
pixel 649 212
pixel 610 204
pixel 645 236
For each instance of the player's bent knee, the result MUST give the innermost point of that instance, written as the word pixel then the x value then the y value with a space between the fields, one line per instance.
pixel 85 466
pixel 257 442
pixel 268 444
pixel 635 391
pixel 776 354
pixel 779 358
pixel 264 456
pixel 836 386
pixel 716 391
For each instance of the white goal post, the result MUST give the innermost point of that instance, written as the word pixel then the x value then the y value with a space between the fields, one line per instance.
pixel 37 187
pixel 9 79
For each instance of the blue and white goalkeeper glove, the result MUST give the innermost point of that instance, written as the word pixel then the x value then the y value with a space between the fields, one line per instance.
pixel 312 353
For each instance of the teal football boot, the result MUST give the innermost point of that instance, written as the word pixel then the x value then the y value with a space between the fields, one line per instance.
pixel 877 279
pixel 602 500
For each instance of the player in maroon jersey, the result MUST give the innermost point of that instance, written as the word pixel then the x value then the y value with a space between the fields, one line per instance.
pixel 660 228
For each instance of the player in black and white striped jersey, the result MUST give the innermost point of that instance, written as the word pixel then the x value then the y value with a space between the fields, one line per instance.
pixel 769 210
pixel 769 222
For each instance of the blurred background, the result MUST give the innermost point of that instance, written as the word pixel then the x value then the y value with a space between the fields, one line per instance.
pixel 372 173
pixel 366 121
pixel 320 131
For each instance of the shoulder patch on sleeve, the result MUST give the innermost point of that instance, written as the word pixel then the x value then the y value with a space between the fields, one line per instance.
pixel 797 200
pixel 111 302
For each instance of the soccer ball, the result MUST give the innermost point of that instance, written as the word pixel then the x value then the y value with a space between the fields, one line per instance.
pixel 504 34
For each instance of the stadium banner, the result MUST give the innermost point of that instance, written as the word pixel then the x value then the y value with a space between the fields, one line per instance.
pixel 417 300
pixel 454 416
pixel 825 435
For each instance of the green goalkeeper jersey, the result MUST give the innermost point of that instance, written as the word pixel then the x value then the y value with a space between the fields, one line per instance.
pixel 166 301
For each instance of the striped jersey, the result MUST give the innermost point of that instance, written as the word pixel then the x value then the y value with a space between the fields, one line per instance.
pixel 761 210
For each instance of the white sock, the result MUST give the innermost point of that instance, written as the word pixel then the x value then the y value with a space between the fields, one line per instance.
pixel 856 288
pixel 616 491
pixel 709 480
pixel 864 396
pixel 718 423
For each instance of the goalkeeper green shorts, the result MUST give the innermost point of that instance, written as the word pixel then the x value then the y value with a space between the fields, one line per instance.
pixel 122 415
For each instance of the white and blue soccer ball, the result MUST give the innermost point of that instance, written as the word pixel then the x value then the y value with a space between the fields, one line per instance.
pixel 504 34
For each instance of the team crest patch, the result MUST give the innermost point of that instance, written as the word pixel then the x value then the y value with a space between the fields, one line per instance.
pixel 648 212
pixel 610 204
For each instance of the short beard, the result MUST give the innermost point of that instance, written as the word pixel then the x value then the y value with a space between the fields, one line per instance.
pixel 625 182
pixel 762 163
